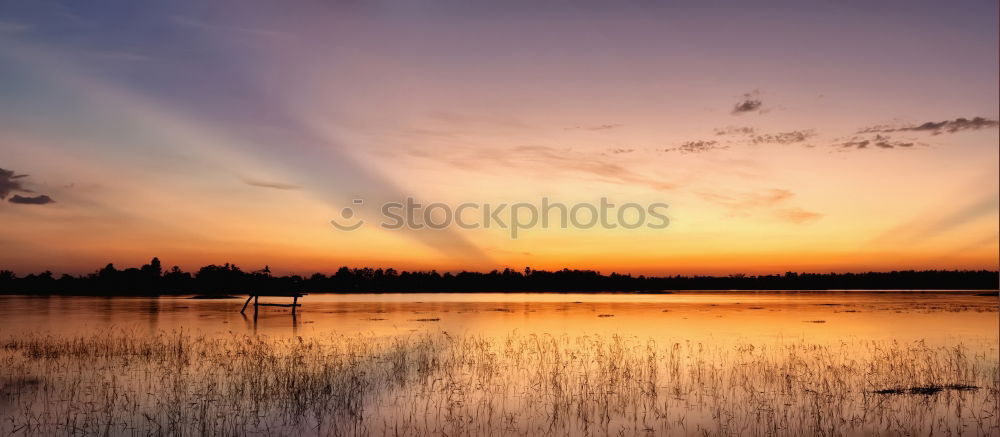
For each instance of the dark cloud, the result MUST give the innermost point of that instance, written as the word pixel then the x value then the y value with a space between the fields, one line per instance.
pixel 937 127
pixel 790 137
pixel 749 103
pixel 881 141
pixel 31 200
pixel 620 151
pixel 696 147
pixel 9 182
pixel 597 127
pixel 266 184
pixel 885 142
pixel 749 134
pixel 854 143
pixel 734 130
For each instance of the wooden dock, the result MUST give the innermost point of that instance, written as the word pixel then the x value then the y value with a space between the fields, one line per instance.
pixel 255 297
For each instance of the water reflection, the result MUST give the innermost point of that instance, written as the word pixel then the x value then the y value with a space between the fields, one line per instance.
pixel 534 364
pixel 938 317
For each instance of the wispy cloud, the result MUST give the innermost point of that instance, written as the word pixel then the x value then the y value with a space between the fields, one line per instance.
pixel 734 130
pixel 226 28
pixel 697 146
pixel 749 201
pixel 550 158
pixel 790 137
pixel 771 202
pixel 269 184
pixel 597 127
pixel 942 221
pixel 797 215
pixel 544 159
pixel 937 127
pixel 880 141
pixel 118 55
pixel 13 27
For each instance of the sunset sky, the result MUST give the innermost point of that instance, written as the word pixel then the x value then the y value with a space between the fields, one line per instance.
pixel 804 136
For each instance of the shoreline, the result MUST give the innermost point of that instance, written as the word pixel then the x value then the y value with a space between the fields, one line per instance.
pixel 981 292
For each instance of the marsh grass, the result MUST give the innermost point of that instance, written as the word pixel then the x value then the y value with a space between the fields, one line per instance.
pixel 178 383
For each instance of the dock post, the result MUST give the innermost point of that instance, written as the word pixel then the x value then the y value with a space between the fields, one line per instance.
pixel 242 311
pixel 255 305
pixel 295 301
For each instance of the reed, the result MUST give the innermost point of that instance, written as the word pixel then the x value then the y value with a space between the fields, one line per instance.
pixel 182 383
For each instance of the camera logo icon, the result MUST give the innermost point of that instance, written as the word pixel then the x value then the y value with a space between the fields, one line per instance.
pixel 347 214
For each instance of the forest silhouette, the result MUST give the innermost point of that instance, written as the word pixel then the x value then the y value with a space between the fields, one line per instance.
pixel 152 279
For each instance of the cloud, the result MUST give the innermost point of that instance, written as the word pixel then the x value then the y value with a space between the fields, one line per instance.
pixel 887 143
pixel 10 182
pixel 543 160
pixel 121 56
pixel 12 27
pixel 597 127
pixel 750 201
pixel 697 146
pixel 797 215
pixel 549 158
pixel 32 200
pixel 620 151
pixel 749 103
pixel 984 206
pixel 158 115
pixel 769 201
pixel 734 130
pixel 795 136
pixel 267 184
pixel 937 127
pixel 881 141
pixel 224 28
pixel 789 137
pixel 940 221
pixel 855 143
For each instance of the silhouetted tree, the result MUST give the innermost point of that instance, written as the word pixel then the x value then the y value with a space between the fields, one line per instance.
pixel 228 278
pixel 153 269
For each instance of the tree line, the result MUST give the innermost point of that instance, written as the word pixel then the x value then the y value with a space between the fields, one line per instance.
pixel 152 279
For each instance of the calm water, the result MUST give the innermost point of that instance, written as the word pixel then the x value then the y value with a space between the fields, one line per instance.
pixel 936 317
pixel 690 363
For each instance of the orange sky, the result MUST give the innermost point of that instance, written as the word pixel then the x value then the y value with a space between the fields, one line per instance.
pixel 781 139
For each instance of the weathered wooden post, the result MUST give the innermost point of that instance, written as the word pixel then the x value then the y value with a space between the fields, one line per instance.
pixel 242 311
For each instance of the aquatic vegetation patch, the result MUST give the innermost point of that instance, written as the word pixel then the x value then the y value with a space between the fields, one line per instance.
pixel 440 383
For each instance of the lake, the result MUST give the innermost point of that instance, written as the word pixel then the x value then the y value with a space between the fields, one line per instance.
pixel 685 363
